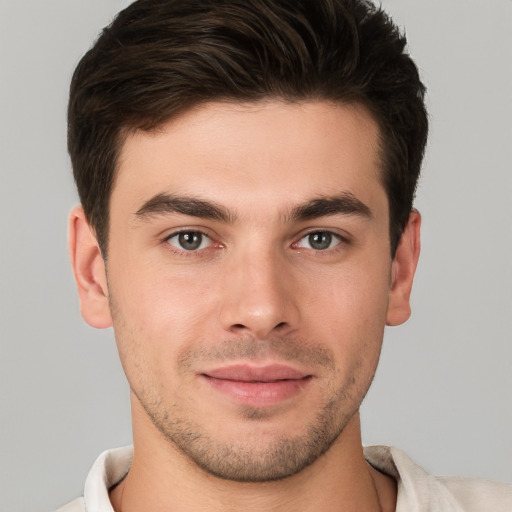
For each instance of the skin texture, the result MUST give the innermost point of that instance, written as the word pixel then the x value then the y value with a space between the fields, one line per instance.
pixel 268 283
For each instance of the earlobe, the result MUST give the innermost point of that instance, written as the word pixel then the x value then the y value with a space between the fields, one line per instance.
pixel 402 271
pixel 89 269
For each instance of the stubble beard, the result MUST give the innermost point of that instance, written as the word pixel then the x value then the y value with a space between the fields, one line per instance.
pixel 252 460
pixel 258 459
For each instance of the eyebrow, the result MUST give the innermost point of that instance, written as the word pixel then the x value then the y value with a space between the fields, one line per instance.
pixel 345 203
pixel 163 204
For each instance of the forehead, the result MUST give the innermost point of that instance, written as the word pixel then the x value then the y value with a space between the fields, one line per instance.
pixel 269 151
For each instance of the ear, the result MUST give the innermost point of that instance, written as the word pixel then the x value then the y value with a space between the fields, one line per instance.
pixel 402 271
pixel 89 269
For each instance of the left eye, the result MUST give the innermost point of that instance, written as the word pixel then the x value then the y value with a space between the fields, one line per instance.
pixel 319 240
pixel 189 240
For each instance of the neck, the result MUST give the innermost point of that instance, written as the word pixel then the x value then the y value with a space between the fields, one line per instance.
pixel 162 479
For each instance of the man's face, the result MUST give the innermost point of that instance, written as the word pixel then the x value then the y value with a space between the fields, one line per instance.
pixel 249 279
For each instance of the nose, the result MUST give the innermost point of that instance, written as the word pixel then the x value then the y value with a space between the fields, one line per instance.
pixel 259 296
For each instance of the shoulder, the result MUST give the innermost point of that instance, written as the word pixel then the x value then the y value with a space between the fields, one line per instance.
pixel 475 495
pixel 108 469
pixel 77 505
pixel 419 490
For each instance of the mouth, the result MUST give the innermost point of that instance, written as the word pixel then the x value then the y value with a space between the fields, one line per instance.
pixel 257 386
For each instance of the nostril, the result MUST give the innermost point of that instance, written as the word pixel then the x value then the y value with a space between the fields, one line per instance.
pixel 279 325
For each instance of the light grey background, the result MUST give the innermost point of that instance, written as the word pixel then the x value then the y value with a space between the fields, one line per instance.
pixel 443 390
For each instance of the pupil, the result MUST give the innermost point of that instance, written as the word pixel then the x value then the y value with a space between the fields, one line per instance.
pixel 320 241
pixel 190 241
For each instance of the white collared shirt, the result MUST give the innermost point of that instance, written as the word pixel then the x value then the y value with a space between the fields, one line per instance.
pixel 417 490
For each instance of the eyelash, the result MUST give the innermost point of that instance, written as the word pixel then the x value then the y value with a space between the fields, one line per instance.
pixel 183 251
pixel 323 232
pixel 341 241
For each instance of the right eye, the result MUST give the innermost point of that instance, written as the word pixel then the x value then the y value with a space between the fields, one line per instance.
pixel 189 241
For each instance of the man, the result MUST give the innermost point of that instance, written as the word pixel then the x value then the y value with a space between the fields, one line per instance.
pixel 246 170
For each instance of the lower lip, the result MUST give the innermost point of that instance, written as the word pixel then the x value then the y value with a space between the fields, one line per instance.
pixel 258 393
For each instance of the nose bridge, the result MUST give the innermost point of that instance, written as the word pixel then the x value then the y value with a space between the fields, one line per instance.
pixel 258 296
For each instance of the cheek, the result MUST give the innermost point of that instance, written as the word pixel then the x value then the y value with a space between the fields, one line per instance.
pixel 354 297
pixel 155 312
pixel 350 315
pixel 157 296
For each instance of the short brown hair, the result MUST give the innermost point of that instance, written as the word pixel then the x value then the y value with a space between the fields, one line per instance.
pixel 161 57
